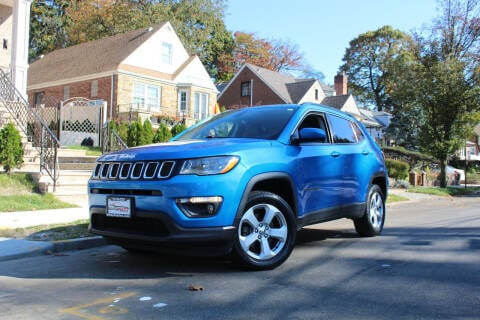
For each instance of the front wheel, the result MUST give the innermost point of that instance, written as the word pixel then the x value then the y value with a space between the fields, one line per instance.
pixel 266 232
pixel 371 223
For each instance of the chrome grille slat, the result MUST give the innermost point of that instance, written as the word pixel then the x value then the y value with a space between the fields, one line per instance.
pixel 138 170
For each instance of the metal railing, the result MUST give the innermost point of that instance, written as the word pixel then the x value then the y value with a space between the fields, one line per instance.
pixel 32 125
pixel 111 140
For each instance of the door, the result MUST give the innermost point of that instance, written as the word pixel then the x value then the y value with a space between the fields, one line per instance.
pixel 319 172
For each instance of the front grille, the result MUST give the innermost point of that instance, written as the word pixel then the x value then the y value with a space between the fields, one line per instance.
pixel 134 226
pixel 145 170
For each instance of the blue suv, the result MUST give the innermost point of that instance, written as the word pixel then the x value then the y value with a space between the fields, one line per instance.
pixel 243 182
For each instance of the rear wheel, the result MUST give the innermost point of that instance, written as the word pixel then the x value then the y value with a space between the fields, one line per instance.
pixel 266 232
pixel 371 224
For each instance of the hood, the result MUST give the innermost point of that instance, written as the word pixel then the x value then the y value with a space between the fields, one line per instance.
pixel 186 149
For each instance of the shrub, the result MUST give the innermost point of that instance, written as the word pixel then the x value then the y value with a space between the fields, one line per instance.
pixel 179 127
pixel 11 149
pixel 147 134
pixel 397 169
pixel 163 134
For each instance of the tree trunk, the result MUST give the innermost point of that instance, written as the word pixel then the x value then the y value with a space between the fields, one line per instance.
pixel 443 173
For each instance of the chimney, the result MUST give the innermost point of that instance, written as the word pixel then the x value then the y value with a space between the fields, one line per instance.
pixel 340 85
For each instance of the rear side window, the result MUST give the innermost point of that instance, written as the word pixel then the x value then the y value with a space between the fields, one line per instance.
pixel 342 130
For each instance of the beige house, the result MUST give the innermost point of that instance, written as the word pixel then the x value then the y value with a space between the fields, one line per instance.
pixel 14 32
pixel 146 72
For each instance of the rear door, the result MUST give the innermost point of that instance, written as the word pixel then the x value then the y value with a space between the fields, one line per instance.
pixel 349 141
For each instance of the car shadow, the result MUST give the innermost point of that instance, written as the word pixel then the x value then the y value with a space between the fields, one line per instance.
pixel 309 235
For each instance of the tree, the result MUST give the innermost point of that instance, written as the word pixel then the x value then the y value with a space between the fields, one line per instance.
pixel 368 62
pixel 276 55
pixel 11 149
pixel 451 106
pixel 47 26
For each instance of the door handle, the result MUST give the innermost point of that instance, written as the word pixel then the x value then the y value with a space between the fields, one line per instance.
pixel 365 153
pixel 335 154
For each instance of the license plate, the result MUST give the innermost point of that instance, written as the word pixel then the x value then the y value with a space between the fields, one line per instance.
pixel 119 207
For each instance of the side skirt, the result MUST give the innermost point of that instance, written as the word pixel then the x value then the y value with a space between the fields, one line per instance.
pixel 351 211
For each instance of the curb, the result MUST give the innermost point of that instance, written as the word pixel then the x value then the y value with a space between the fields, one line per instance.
pixel 26 248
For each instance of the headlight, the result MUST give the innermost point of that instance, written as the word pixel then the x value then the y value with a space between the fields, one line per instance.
pixel 211 165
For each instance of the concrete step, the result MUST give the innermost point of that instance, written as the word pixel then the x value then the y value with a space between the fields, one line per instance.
pixel 69 182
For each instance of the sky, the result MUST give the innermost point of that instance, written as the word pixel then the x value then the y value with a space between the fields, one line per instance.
pixel 322 29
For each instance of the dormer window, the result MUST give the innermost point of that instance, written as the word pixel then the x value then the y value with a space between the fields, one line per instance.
pixel 167 52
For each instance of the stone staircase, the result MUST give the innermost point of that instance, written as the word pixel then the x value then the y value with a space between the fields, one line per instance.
pixel 75 168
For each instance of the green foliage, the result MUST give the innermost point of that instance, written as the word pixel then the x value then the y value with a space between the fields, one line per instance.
pixel 163 134
pixel 413 158
pixel 47 26
pixel 135 133
pixel 397 169
pixel 147 134
pixel 369 62
pixel 176 129
pixel 11 148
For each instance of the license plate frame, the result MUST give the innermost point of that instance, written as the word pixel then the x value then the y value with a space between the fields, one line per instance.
pixel 119 207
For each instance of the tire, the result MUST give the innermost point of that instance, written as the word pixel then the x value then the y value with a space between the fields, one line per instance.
pixel 371 223
pixel 266 232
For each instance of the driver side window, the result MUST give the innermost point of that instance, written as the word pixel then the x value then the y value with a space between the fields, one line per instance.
pixel 316 121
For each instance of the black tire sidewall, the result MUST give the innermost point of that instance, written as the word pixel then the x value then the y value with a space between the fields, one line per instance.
pixel 363 225
pixel 263 197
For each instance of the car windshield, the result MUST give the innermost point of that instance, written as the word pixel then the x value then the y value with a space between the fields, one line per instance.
pixel 255 122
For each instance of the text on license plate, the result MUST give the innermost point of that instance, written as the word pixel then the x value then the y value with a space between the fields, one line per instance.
pixel 120 207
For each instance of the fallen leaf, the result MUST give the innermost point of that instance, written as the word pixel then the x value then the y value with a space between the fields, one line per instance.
pixel 195 288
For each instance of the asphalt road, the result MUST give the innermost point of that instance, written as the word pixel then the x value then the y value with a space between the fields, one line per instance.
pixel 426 265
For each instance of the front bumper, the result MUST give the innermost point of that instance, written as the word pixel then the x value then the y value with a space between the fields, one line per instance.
pixel 154 231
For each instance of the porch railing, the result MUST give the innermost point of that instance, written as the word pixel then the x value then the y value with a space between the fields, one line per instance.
pixel 32 125
pixel 111 140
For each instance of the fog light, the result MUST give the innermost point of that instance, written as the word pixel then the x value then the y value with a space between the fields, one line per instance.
pixel 199 207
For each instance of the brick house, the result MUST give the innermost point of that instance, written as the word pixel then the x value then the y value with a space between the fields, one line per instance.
pixel 145 71
pixel 253 85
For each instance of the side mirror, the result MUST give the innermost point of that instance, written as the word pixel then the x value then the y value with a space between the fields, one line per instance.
pixel 312 134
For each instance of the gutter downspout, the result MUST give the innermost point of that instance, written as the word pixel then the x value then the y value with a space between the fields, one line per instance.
pixel 251 92
pixel 112 89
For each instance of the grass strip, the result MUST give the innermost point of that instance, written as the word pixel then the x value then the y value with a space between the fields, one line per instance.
pixel 31 202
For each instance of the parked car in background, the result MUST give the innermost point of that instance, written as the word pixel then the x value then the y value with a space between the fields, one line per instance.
pixel 243 182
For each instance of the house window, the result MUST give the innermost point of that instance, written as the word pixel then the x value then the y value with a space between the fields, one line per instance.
pixel 66 93
pixel 316 94
pixel 94 89
pixel 153 97
pixel 139 94
pixel 39 98
pixel 200 102
pixel 146 96
pixel 245 89
pixel 182 103
pixel 167 52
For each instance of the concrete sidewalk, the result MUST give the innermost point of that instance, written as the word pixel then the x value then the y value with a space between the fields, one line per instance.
pixel 11 248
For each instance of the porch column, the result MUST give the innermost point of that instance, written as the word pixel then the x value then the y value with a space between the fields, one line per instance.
pixel 20 35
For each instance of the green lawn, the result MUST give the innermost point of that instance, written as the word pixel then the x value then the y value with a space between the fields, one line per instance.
pixel 449 191
pixel 20 193
pixel 89 151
